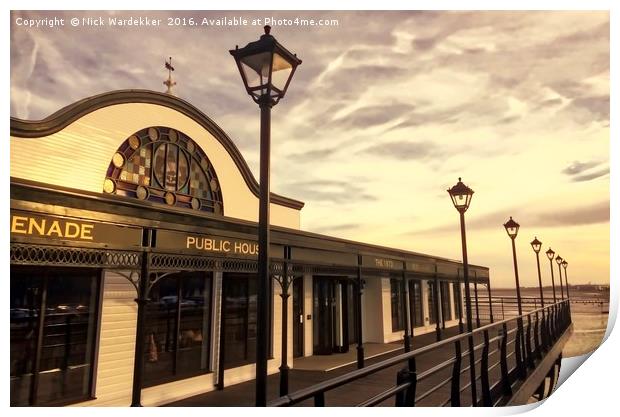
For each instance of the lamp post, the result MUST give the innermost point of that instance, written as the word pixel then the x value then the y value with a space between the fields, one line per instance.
pixel 536 244
pixel 461 198
pixel 559 260
pixel 550 254
pixel 266 69
pixel 512 228
pixel 565 265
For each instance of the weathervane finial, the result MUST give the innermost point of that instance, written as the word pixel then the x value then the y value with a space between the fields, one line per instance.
pixel 169 82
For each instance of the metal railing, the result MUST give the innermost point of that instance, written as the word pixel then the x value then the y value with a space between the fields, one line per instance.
pixel 507 306
pixel 520 341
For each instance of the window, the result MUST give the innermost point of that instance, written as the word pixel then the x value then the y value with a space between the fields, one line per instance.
pixel 432 302
pixel 239 319
pixel 54 312
pixel 178 328
pixel 415 306
pixel 163 165
pixel 446 305
pixel 398 318
pixel 458 301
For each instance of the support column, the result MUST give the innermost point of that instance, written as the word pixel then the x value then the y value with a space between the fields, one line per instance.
pixel 138 361
pixel 477 306
pixel 406 311
pixel 285 282
pixel 437 309
pixel 360 292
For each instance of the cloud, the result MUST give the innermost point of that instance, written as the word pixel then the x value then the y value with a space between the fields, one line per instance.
pixel 312 155
pixel 328 191
pixel 597 107
pixel 583 171
pixel 591 176
pixel 374 115
pixel 334 228
pixel 577 167
pixel 405 150
pixel 571 216
pixel 596 213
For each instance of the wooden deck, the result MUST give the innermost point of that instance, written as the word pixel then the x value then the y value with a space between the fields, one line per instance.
pixel 243 394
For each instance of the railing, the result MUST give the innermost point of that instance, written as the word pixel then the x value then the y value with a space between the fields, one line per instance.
pixel 503 353
pixel 507 306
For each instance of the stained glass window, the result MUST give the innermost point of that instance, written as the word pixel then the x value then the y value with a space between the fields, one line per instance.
pixel 164 165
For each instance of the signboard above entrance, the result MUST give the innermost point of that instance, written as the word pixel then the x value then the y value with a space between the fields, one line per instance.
pixel 369 261
pixel 211 244
pixel 56 228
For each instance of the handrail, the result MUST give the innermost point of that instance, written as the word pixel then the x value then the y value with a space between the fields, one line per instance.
pixel 557 320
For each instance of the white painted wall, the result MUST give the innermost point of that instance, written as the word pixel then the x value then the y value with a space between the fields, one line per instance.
pixel 79 155
pixel 372 304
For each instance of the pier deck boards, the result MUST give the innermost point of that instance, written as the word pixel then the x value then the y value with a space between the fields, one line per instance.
pixel 243 394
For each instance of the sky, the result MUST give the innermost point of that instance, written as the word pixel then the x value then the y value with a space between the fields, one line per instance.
pixel 386 111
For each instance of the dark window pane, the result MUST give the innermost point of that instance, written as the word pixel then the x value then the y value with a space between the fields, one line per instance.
pixel 239 319
pixel 161 321
pixel 398 320
pixel 25 309
pixel 68 333
pixel 178 327
pixel 432 302
pixel 446 306
pixel 352 301
pixel 195 325
pixel 457 298
pixel 415 294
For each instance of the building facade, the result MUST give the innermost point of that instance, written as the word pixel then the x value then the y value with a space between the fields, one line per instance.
pixel 135 196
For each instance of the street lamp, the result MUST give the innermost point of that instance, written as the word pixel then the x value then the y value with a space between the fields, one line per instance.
pixel 461 197
pixel 536 245
pixel 565 265
pixel 266 69
pixel 512 228
pixel 550 254
pixel 559 260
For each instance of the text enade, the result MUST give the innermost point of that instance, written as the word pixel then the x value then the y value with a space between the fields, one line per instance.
pixel 212 244
pixel 52 228
pixel 29 225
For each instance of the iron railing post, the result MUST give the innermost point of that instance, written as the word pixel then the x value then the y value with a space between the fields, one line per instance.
pixel 504 362
pixel 406 398
pixel 455 391
pixel 528 343
pixel 477 306
pixel 536 338
pixel 484 372
pixel 360 292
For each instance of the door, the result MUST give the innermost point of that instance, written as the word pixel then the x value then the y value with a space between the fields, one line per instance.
pixel 298 317
pixel 335 307
pixel 323 310
pixel 415 303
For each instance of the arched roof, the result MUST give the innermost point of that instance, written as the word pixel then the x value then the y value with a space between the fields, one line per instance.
pixel 69 114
